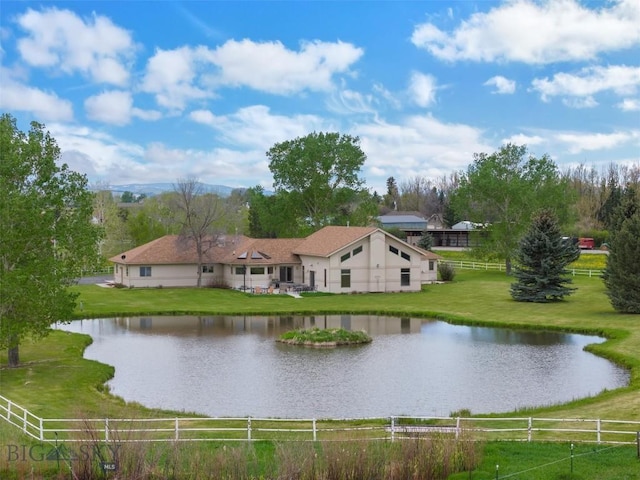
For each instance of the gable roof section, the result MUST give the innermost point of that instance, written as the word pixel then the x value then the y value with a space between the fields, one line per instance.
pixel 330 239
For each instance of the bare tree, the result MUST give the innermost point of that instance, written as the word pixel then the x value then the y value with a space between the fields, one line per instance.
pixel 201 216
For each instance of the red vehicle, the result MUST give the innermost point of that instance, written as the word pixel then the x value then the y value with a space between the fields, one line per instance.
pixel 586 243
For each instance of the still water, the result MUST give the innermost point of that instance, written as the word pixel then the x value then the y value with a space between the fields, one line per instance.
pixel 232 366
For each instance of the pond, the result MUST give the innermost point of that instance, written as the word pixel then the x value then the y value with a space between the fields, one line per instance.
pixel 232 366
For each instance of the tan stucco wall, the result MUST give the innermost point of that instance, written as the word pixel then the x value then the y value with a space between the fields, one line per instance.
pixel 374 269
pixel 163 276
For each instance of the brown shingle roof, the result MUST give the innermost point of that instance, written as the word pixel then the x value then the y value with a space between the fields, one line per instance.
pixel 238 250
pixel 171 249
pixel 265 251
pixel 327 240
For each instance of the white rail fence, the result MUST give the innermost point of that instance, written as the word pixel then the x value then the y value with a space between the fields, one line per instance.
pixel 471 265
pixel 247 429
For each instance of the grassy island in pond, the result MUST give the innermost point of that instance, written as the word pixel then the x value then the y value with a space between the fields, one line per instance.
pixel 330 337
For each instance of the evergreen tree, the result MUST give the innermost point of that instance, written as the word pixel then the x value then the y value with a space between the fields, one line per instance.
pixel 622 275
pixel 542 257
pixel 426 241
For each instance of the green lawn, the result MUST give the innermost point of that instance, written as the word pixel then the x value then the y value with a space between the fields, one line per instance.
pixel 587 261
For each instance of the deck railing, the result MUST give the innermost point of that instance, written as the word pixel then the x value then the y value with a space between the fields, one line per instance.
pixel 248 429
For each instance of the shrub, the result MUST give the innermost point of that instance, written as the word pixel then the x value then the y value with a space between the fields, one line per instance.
pixel 446 271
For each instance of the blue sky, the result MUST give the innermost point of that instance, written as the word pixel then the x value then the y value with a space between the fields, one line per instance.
pixel 157 91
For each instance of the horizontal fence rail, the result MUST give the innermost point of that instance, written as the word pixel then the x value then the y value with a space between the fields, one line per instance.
pixel 248 429
pixel 471 265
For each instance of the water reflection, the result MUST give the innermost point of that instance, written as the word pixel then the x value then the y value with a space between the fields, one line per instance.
pixel 231 366
pixel 221 325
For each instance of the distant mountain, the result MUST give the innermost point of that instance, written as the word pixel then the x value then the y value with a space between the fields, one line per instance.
pixel 150 189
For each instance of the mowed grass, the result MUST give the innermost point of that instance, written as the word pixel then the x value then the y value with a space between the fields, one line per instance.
pixel 55 380
pixel 587 261
pixel 552 461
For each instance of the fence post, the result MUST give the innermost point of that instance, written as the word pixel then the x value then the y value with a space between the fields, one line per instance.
pixel 529 429
pixel 315 432
pixel 24 420
pixel 249 429
pixel 638 442
pixel 177 429
pixel 41 429
pixel 9 409
pixel 457 427
pixel 106 429
pixel 393 429
pixel 598 426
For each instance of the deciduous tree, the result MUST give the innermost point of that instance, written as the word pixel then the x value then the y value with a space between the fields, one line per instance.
pixel 502 190
pixel 202 216
pixel 320 174
pixel 542 258
pixel 47 237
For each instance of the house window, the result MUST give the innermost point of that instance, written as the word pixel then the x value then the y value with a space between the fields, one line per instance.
pixel 116 268
pixel 127 271
pixel 393 249
pixel 406 256
pixel 431 265
pixel 145 271
pixel 286 274
pixel 270 270
pixel 325 278
pixel 357 250
pixel 345 278
pixel 345 257
pixel 257 270
pixel 241 270
pixel 207 268
pixel 405 277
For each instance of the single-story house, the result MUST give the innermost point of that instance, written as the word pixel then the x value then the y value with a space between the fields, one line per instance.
pixel 334 259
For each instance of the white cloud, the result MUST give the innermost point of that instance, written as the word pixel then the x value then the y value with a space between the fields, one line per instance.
pixel 630 105
pixel 97 154
pixel 116 107
pixel 503 85
pixel 61 40
pixel 182 75
pixel 536 32
pixel 256 127
pixel 522 139
pixel 422 89
pixel 620 79
pixel 45 106
pixel 417 146
pixel 586 102
pixel 347 102
pixel 172 74
pixel 271 67
pixel 580 142
pixel 110 107
pixel 237 168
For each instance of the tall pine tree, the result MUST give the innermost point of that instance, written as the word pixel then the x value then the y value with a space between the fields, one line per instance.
pixel 622 275
pixel 541 261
